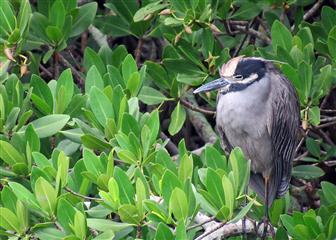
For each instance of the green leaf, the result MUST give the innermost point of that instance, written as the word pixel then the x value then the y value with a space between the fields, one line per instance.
pixel 307 172
pixel 186 168
pixel 106 224
pixel 163 232
pixel 100 105
pixel 151 96
pixel 177 119
pixel 54 34
pixel 46 195
pixel 129 213
pixel 247 10
pixel 229 194
pixel 242 213
pixel 214 159
pixel 24 195
pixel 9 154
pixel 306 78
pixel 134 84
pixel 65 214
pixel 62 170
pixel 128 67
pixel 92 58
pixel 79 226
pixel 32 138
pixel 93 142
pixel 148 9
pixel 332 42
pixel 214 188
pixel 57 14
pixel 84 18
pixel 9 221
pixel 48 125
pixel 329 192
pixel 281 36
pixel 178 204
pixel 64 90
pixel 314 115
pixel 41 96
pixel 109 234
pixel 127 192
pixel 93 78
pixel 7 17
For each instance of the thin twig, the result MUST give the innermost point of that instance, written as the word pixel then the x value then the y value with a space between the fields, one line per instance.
pixel 211 231
pixel 46 71
pixel 200 123
pixel 98 36
pixel 312 11
pixel 328 110
pixel 83 196
pixel 301 141
pixel 78 75
pixel 325 137
pixel 328 119
pixel 201 224
pixel 247 27
pixel 196 108
pixel 305 154
pixel 171 147
pixel 137 52
pixel 254 33
pixel 326 125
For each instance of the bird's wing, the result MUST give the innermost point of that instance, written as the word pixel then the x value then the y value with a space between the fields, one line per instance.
pixel 283 127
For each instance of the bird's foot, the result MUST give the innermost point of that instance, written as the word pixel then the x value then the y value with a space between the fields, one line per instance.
pixel 267 228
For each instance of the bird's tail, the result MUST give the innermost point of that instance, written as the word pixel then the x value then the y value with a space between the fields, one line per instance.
pixel 257 183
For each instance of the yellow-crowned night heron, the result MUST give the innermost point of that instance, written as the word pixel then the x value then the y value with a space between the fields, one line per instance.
pixel 258 111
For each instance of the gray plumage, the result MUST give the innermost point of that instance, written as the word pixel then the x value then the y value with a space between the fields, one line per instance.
pixel 259 112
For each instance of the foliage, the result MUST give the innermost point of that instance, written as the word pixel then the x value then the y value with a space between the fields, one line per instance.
pixel 83 152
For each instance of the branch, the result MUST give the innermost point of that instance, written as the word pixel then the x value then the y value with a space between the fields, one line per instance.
pixel 83 196
pixel 195 107
pixel 326 125
pixel 254 33
pixel 137 52
pixel 76 73
pixel 98 36
pixel 200 123
pixel 171 147
pixel 312 11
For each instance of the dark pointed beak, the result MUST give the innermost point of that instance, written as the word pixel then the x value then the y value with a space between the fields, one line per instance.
pixel 214 85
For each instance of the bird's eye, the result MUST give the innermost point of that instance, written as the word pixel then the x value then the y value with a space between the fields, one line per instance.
pixel 238 77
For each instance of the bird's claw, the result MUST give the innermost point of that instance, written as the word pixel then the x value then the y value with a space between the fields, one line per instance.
pixel 268 229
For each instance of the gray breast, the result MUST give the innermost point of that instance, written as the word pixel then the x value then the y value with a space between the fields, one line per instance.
pixel 242 116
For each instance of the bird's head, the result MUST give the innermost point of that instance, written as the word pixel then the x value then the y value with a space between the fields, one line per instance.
pixel 236 75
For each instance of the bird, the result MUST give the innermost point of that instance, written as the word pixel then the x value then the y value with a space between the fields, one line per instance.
pixel 258 110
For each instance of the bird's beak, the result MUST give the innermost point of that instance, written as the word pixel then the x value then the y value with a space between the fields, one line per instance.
pixel 216 84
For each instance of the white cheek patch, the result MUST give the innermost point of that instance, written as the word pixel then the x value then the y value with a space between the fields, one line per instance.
pixel 229 68
pixel 250 79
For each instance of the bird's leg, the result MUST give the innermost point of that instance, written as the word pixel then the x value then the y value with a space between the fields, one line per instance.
pixel 244 218
pixel 266 216
pixel 265 221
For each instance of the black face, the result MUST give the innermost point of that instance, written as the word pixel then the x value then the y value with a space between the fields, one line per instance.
pixel 246 67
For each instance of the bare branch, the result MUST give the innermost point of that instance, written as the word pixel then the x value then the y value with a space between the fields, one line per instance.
pixel 254 33
pixel 98 36
pixel 78 75
pixel 171 147
pixel 204 129
pixel 82 196
pixel 312 11
pixel 196 108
